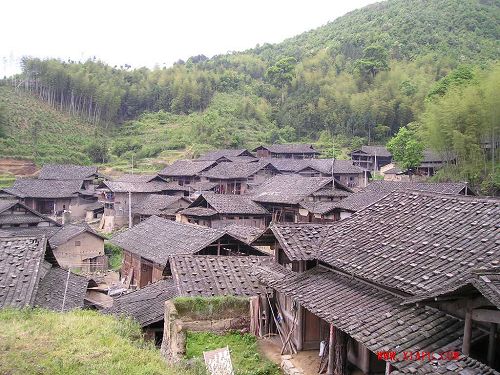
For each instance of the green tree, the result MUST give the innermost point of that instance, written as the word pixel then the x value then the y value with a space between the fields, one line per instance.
pixel 406 149
pixel 98 151
pixel 282 73
pixel 374 60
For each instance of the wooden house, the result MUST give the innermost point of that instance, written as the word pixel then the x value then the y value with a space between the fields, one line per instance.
pixel 186 172
pixel 30 276
pixel 228 155
pixel 161 205
pixel 238 178
pixel 14 214
pixel 62 200
pixel 149 245
pixel 219 210
pixel 287 151
pixel 371 158
pixel 282 195
pixel 354 285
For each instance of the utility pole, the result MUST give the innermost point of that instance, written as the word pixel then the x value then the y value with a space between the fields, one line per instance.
pixel 129 209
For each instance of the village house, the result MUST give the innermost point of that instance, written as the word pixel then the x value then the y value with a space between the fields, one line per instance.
pixel 148 246
pixel 239 178
pixel 119 197
pixel 283 194
pixel 30 276
pixel 371 158
pixel 343 170
pixel 354 285
pixel 165 206
pixel 14 214
pixel 186 172
pixel 219 210
pixel 63 201
pixel 189 276
pixel 88 174
pixel 288 151
pixel 228 155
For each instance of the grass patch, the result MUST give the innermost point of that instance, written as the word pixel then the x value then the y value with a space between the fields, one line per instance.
pixel 207 307
pixel 243 347
pixel 35 341
pixel 115 255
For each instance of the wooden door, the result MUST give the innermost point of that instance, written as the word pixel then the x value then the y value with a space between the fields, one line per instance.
pixel 146 274
pixel 315 330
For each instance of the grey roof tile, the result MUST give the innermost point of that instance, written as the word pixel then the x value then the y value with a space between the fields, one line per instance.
pixel 67 172
pixel 36 188
pixel 186 168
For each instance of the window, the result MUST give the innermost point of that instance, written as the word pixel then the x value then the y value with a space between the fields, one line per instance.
pixel 77 243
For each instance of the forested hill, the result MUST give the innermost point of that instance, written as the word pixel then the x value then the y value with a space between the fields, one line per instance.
pixel 462 29
pixel 359 79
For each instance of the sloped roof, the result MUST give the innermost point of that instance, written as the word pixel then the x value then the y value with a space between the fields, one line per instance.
pixel 156 239
pixel 217 154
pixel 375 150
pixel 226 171
pixel 155 204
pixel 288 189
pixel 145 305
pixel 301 241
pixel 198 211
pixel 52 290
pixel 375 317
pixel 186 168
pixel 34 217
pixel 67 172
pixel 298 148
pixel 230 204
pixel 432 187
pixel 320 208
pixel 36 188
pixel 134 187
pixel 339 166
pixel 67 232
pixel 359 201
pixel 136 177
pixel 244 233
pixel 205 275
pixel 416 241
pixel 21 259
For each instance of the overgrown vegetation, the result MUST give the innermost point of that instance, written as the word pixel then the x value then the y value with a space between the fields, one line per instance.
pixel 243 348
pixel 115 255
pixel 34 341
pixel 211 307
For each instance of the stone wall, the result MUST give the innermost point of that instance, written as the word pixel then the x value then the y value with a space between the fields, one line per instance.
pixel 173 347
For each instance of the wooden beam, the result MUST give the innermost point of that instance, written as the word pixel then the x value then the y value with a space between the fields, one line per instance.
pixel 365 360
pixel 331 351
pixel 467 333
pixel 492 344
pixel 485 315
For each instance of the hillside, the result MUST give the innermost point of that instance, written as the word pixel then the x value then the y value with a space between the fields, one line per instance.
pixel 34 130
pixel 79 342
pixel 355 80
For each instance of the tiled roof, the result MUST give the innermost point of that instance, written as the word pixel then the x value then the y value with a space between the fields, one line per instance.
pixel 67 232
pixel 52 288
pixel 299 148
pixel 156 239
pixel 155 204
pixel 186 168
pixel 373 316
pixel 202 186
pixel 217 154
pixel 321 165
pixel 30 231
pixel 135 177
pixel 230 204
pixel 288 189
pixel 287 164
pixel 244 233
pixel 67 172
pixel 432 187
pixel 134 187
pixel 300 241
pixel 145 305
pixel 20 262
pixel 375 150
pixel 36 188
pixel 416 241
pixel 226 171
pixel 320 208
pixel 359 201
pixel 205 275
pixel 198 212
pixel 432 156
pixel 31 217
